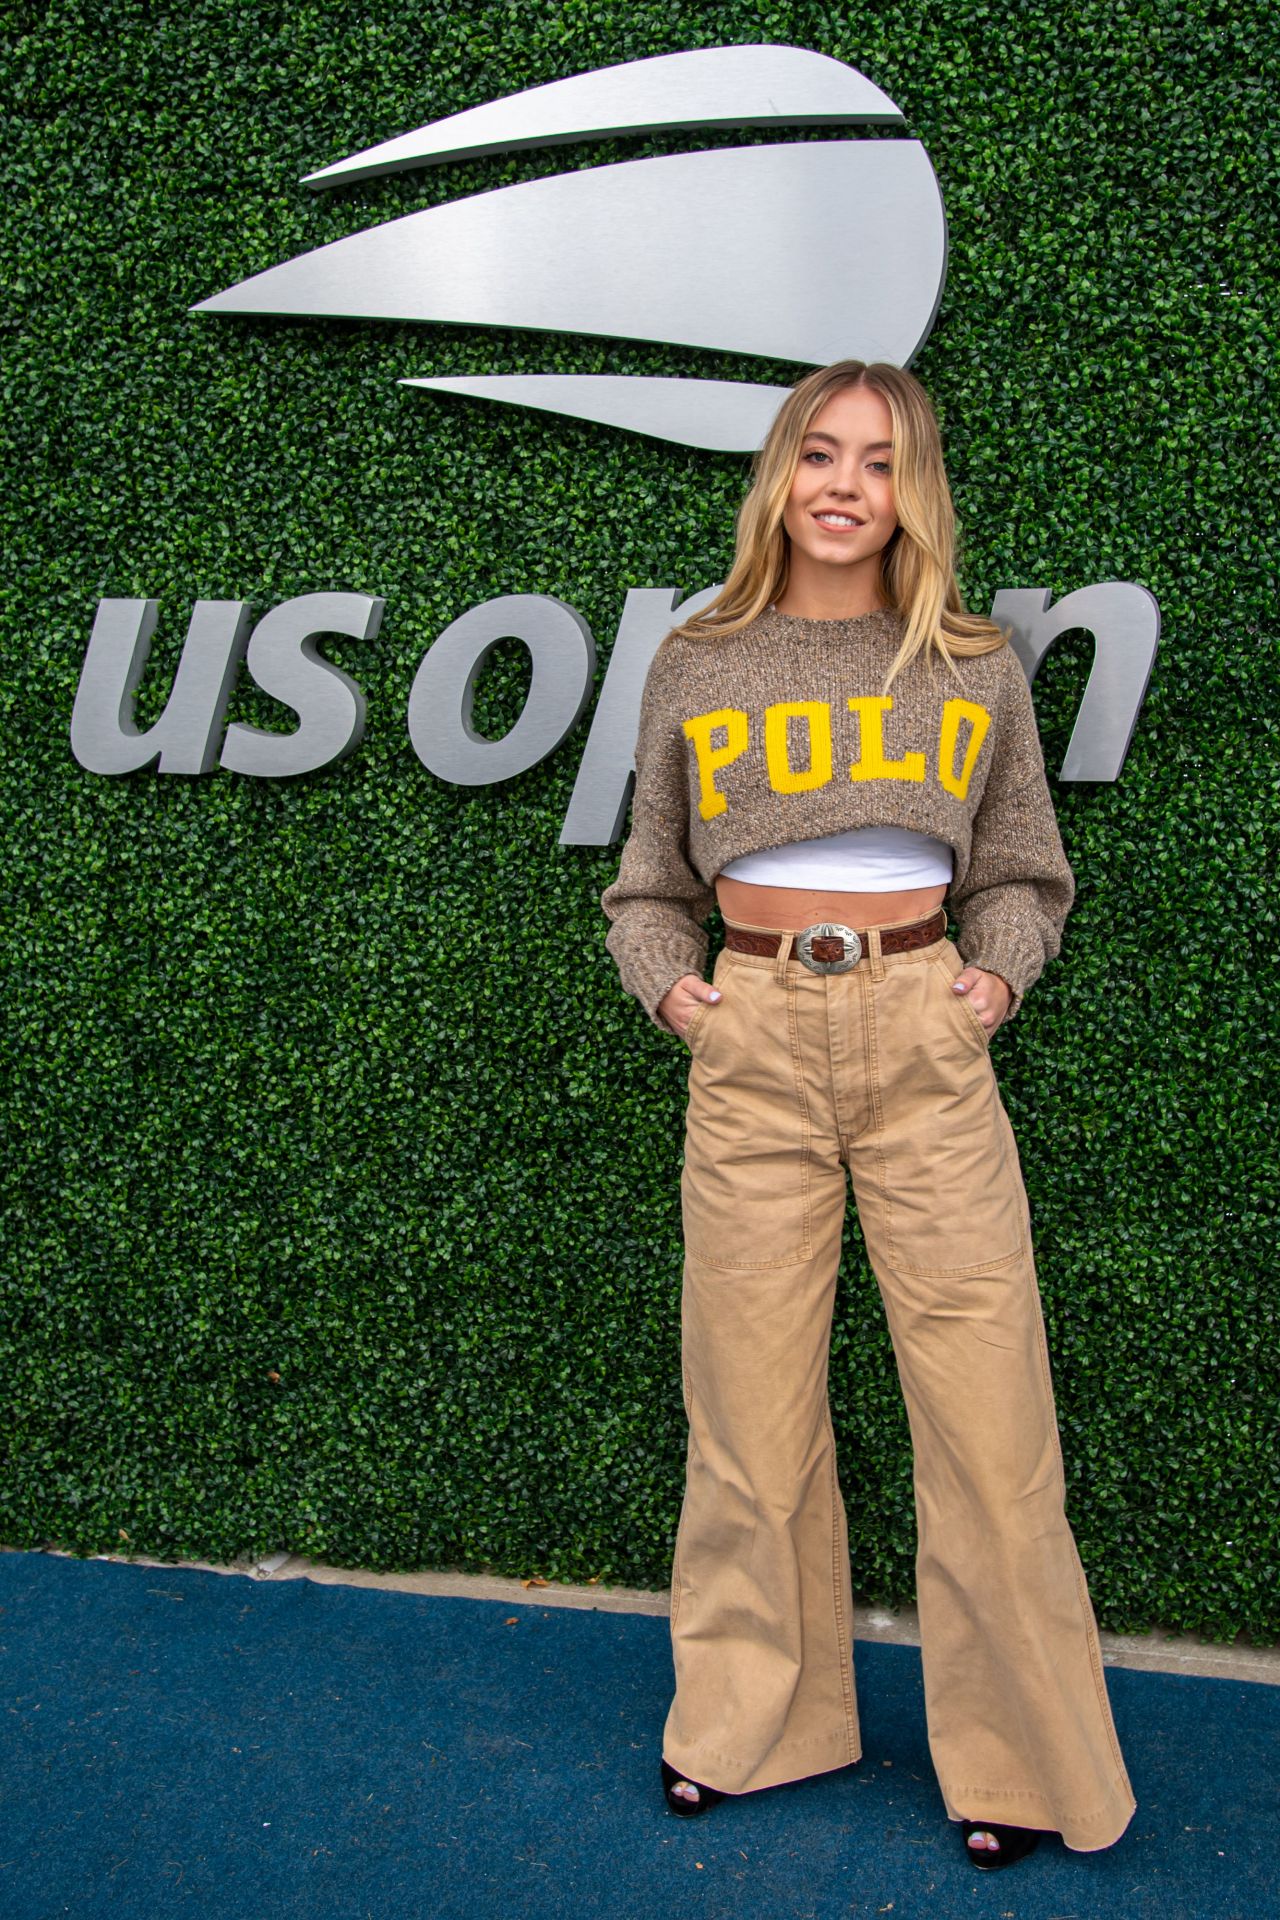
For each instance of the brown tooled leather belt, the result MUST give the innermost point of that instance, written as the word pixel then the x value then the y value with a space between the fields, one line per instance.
pixel 829 947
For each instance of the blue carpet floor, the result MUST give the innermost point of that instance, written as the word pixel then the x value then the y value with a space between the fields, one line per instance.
pixel 181 1741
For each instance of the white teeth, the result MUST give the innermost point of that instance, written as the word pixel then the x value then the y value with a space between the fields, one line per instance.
pixel 838 519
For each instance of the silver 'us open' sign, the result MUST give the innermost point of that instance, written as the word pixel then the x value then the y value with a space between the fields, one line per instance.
pixel 283 658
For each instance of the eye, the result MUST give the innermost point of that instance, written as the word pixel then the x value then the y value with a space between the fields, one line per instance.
pixel 882 466
pixel 815 453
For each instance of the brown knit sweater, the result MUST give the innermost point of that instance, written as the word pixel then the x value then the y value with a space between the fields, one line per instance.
pixel 780 733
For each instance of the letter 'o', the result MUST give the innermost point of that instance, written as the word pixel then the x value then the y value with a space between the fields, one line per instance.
pixel 440 701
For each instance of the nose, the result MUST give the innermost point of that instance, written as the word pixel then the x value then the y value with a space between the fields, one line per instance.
pixel 846 485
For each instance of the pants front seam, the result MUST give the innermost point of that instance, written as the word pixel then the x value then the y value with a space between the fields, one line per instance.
pixel 806 1137
pixel 839 1569
pixel 1082 1585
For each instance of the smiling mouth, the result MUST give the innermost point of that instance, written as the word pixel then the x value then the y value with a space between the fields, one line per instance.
pixel 840 522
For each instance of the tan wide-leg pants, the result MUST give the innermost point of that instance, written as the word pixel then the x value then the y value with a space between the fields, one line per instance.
pixel 793 1077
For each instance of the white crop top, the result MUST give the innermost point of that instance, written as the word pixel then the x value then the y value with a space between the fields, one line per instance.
pixel 864 860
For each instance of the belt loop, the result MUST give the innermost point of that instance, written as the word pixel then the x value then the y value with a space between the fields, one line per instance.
pixel 785 943
pixel 877 958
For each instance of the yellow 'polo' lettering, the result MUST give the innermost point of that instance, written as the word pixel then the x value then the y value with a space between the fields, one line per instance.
pixel 783 777
pixel 710 759
pixel 953 712
pixel 871 763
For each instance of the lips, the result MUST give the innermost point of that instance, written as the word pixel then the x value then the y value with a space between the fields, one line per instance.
pixel 839 523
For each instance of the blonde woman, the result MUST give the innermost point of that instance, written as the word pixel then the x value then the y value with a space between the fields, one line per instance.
pixel 835 752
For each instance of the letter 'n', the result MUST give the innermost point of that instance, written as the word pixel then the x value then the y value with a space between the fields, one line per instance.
pixel 1124 619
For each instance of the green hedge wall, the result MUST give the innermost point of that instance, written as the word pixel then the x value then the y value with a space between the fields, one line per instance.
pixel 340 1185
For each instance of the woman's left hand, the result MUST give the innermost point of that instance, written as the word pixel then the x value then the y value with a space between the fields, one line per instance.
pixel 987 993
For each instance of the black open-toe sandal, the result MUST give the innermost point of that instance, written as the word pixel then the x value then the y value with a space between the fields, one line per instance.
pixel 707 1796
pixel 1015 1843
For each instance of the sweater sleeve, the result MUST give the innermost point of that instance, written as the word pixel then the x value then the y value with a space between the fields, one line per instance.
pixel 1017 891
pixel 658 903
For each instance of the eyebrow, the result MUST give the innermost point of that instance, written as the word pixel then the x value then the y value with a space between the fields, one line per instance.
pixel 877 446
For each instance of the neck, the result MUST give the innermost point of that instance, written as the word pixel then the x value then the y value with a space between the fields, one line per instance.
pixel 843 593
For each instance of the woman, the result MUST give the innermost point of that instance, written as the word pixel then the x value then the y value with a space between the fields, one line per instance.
pixel 831 750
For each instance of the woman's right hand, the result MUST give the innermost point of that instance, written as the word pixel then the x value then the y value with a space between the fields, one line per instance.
pixel 676 1008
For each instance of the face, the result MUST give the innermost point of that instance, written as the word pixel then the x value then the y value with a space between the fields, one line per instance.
pixel 840 513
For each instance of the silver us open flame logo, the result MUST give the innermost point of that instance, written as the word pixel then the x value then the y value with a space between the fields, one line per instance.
pixel 807 251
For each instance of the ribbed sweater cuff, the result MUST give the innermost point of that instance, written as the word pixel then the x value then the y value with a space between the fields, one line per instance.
pixel 1012 952
pixel 651 973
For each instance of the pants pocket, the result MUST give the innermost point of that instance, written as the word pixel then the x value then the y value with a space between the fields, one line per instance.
pixel 744 1187
pixel 952 965
pixel 696 1019
pixel 941 1174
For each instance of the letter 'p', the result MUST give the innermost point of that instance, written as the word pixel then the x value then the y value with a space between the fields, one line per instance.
pixel 733 722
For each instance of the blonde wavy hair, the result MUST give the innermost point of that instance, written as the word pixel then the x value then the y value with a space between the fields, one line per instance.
pixel 918 563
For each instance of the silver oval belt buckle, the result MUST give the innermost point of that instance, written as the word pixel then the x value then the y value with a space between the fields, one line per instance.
pixel 825 930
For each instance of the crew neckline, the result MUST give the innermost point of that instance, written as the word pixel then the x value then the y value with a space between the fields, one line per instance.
pixel 841 620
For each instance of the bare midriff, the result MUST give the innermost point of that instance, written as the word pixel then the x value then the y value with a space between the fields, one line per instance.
pixel 791 908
